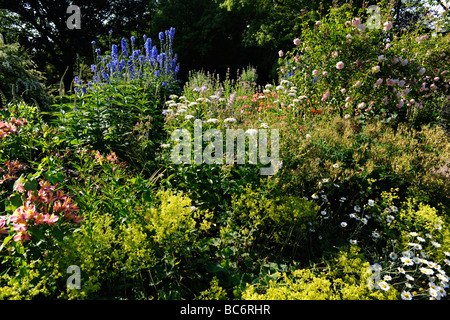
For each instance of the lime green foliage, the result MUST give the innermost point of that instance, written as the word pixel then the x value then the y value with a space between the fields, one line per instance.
pixel 275 222
pixel 215 292
pixel 345 279
pixel 172 218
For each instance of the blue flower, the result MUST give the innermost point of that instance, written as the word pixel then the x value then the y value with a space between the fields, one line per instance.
pixel 161 36
pixel 93 67
pixel 121 65
pixel 133 40
pixel 148 47
pixel 93 43
pixel 84 90
pixel 154 53
pixel 114 53
pixel 124 47
pixel 110 31
pixel 136 54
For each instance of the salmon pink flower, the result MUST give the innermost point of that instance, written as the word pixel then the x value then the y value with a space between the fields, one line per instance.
pixel 51 219
pixel 22 236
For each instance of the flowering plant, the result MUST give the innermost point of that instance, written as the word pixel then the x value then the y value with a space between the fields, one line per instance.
pixel 362 73
pixel 40 216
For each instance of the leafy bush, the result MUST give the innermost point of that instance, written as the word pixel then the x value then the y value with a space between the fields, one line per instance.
pixel 19 80
pixel 344 67
pixel 120 109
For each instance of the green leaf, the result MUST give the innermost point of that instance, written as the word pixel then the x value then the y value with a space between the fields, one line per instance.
pixel 5 242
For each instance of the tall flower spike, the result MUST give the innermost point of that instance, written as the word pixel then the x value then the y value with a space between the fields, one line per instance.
pixel 124 47
pixel 148 47
pixel 114 52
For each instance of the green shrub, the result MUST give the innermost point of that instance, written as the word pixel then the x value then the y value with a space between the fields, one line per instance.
pixel 19 80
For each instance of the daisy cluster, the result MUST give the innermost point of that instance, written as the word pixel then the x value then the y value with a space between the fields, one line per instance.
pixel 186 110
pixel 410 268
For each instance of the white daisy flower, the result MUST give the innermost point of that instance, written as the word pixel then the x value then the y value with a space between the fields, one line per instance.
pixel 231 120
pixel 417 260
pixel 407 254
pixel 353 241
pixel 434 293
pixel 441 291
pixel 315 196
pixel 407 261
pixel 335 166
pixel 343 224
pixel 436 244
pixel 384 285
pixel 421 239
pixel 409 277
pixel 406 295
pixel 408 285
pixel 394 209
pixel 371 203
pixel 323 212
pixel 393 255
pixel 427 271
pixel 375 234
pixel 442 277
pixel 189 117
pixel 413 234
pixel 364 220
pixel 387 278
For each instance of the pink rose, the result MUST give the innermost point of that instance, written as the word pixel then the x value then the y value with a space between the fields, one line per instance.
pixel 340 65
pixel 315 72
pixel 297 41
pixel 281 53
pixel 356 22
pixel 387 26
